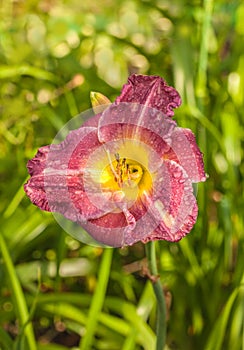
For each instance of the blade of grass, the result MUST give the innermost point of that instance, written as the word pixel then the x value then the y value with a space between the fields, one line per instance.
pixel 216 338
pixel 18 296
pixel 159 294
pixel 134 317
pixel 7 72
pixel 203 55
pixel 129 312
pixel 15 201
pixel 5 340
pixel 202 93
pixel 73 109
pixel 73 313
pixel 97 300
pixel 144 308
pixel 65 310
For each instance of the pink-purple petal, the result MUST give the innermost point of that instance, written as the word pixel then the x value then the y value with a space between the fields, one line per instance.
pixel 38 163
pixel 125 115
pixel 160 233
pixel 108 230
pixel 34 188
pixel 173 203
pixel 188 154
pixel 151 91
pixel 57 172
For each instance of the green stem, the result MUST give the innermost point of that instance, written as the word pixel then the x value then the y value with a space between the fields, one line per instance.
pixel 158 291
pixel 18 296
pixel 97 300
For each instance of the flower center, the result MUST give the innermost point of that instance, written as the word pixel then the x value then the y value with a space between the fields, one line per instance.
pixel 127 173
pixel 125 178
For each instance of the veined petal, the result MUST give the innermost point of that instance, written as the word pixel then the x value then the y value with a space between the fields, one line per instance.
pixel 188 154
pixel 37 164
pixel 118 229
pixel 108 229
pixel 131 114
pixel 57 176
pixel 151 91
pixel 161 233
pixel 34 188
pixel 173 205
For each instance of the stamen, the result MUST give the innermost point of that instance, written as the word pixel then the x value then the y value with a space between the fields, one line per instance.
pixel 122 173
pixel 117 156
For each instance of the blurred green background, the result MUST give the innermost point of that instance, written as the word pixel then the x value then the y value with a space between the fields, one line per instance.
pixel 52 54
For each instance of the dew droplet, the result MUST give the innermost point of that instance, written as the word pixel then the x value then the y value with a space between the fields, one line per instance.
pixel 177 173
pixel 181 181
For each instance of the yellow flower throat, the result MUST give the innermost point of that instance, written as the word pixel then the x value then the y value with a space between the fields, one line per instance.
pixel 126 173
pixel 122 173
pixel 125 177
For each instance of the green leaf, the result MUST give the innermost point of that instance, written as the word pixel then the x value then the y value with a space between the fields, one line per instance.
pixel 8 72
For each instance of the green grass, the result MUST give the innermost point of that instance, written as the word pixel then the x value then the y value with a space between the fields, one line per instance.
pixel 52 54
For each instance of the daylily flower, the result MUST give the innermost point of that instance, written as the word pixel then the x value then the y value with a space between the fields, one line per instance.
pixel 126 174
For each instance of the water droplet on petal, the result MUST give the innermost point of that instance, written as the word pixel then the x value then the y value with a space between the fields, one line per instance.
pixel 181 181
pixel 177 173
